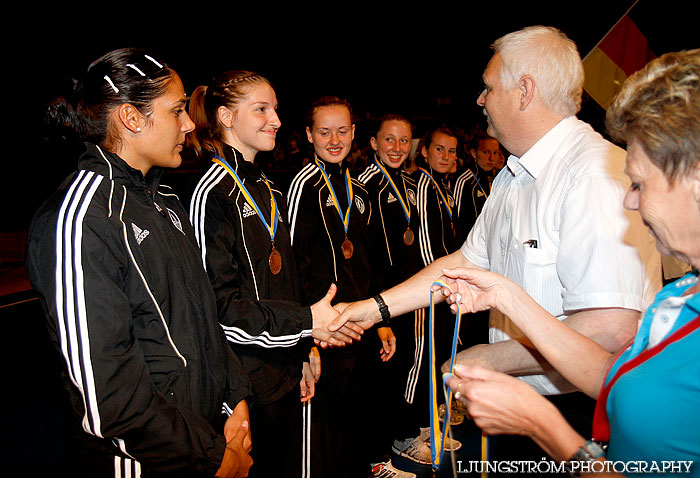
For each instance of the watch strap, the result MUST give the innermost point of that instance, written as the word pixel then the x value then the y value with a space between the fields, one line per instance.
pixel 383 309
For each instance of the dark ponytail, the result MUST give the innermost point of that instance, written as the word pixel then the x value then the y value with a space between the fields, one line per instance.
pixel 62 124
pixel 121 76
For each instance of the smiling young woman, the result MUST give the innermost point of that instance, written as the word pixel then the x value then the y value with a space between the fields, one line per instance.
pixel 329 214
pixel 241 222
pixel 392 232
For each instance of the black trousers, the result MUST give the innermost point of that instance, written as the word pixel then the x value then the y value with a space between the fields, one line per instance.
pixel 368 436
pixel 331 409
pixel 411 417
pixel 276 431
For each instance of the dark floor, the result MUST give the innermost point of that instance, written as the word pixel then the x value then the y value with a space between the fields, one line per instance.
pixel 32 415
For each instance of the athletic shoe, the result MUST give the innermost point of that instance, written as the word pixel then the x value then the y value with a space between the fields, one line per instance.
pixel 387 470
pixel 450 443
pixel 414 449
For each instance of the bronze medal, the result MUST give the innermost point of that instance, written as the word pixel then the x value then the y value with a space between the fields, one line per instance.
pixel 347 248
pixel 275 261
pixel 408 236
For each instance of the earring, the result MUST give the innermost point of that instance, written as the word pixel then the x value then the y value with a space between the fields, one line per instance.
pixel 138 129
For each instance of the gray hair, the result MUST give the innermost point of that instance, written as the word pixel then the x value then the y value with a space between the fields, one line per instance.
pixel 659 106
pixel 551 58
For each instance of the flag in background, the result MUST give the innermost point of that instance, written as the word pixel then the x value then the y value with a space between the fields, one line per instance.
pixel 621 52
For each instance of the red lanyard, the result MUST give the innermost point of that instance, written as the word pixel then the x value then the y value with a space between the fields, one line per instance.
pixel 601 425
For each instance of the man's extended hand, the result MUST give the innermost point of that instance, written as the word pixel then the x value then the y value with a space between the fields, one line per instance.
pixel 323 314
pixel 362 314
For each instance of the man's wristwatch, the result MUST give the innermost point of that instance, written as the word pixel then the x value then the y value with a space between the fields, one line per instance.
pixel 383 309
pixel 589 451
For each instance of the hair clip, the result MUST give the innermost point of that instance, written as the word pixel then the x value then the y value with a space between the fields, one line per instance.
pixel 135 68
pixel 155 62
pixel 111 83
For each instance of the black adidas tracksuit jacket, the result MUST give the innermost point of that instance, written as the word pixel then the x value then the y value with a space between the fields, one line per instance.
pixel 471 188
pixel 317 234
pixel 132 313
pixel 395 261
pixel 436 238
pixel 392 259
pixel 437 231
pixel 258 310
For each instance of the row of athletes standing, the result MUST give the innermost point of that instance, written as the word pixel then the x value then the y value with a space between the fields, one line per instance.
pixel 421 213
pixel 277 262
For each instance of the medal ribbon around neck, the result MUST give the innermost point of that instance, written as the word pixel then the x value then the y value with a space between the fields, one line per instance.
pixel 274 220
pixel 478 183
pixel 406 209
pixel 444 199
pixel 348 190
pixel 437 439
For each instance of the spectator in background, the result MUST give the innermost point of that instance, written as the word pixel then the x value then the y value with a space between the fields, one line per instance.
pixel 473 183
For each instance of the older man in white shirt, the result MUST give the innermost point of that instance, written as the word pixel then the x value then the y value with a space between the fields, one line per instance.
pixel 554 222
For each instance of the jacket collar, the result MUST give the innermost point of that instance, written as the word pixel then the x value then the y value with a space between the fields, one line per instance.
pixel 242 167
pixel 439 177
pixel 332 169
pixel 110 165
pixel 393 172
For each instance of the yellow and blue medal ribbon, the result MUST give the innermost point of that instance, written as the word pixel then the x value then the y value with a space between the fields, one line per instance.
pixel 478 183
pixel 442 196
pixel 404 205
pixel 437 439
pixel 348 190
pixel 274 219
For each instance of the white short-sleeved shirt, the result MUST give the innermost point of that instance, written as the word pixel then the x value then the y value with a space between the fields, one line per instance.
pixel 555 224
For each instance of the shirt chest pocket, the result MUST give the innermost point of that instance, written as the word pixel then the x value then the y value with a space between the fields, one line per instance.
pixel 535 270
